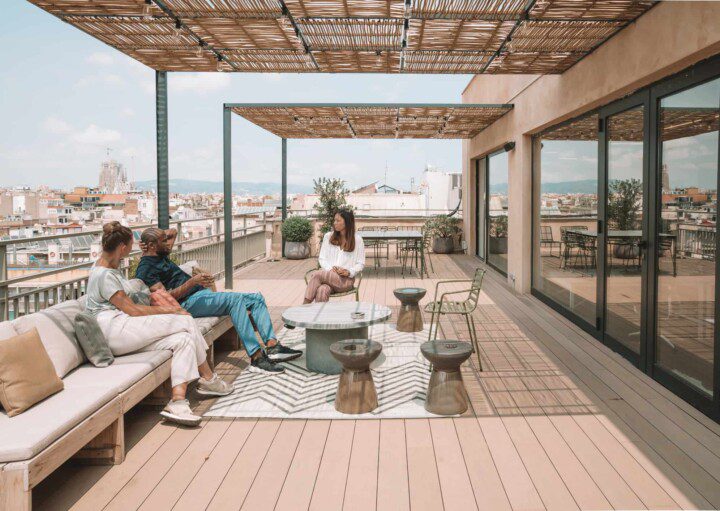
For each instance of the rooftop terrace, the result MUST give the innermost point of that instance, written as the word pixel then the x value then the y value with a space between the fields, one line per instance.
pixel 556 421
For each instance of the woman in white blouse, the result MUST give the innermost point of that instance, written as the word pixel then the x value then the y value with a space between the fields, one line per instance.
pixel 342 256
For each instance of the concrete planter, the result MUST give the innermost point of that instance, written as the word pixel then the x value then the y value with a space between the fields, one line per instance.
pixel 297 250
pixel 443 245
pixel 497 245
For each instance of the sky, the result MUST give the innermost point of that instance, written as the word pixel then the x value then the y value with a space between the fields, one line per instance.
pixel 66 97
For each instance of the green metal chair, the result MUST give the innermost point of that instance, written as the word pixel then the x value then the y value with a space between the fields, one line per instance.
pixel 443 306
pixel 354 291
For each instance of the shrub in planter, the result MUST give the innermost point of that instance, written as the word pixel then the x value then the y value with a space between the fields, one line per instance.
pixel 297 231
pixel 624 201
pixel 498 234
pixel 442 228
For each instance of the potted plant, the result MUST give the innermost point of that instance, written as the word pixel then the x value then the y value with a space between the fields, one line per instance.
pixel 498 235
pixel 443 229
pixel 624 198
pixel 296 231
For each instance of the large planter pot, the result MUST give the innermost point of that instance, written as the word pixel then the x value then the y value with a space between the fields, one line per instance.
pixel 297 250
pixel 443 245
pixel 497 245
pixel 626 251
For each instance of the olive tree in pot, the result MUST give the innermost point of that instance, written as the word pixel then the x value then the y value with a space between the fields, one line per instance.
pixel 624 199
pixel 498 235
pixel 442 228
pixel 297 231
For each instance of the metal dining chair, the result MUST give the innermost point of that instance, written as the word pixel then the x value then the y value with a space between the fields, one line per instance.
pixel 443 306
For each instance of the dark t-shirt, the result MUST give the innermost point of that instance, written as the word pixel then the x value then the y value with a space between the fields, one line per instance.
pixel 154 269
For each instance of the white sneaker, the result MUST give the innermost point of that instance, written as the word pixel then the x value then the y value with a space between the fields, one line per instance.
pixel 180 412
pixel 215 386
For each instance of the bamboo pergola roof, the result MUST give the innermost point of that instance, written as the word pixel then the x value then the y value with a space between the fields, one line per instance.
pixel 362 121
pixel 368 36
pixel 675 123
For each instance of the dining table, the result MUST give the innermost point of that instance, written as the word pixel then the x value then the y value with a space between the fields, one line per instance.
pixel 400 236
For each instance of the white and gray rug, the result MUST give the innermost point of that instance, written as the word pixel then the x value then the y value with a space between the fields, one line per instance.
pixel 400 373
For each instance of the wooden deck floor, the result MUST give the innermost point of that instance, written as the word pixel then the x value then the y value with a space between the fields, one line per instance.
pixel 558 422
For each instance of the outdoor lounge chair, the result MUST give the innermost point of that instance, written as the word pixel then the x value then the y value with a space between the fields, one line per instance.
pixel 442 306
pixel 354 291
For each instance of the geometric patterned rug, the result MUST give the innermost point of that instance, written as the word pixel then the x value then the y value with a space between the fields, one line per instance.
pixel 400 373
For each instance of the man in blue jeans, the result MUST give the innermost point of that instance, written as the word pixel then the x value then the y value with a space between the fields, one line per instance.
pixel 194 296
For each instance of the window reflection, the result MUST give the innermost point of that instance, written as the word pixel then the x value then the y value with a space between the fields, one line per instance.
pixel 687 234
pixel 497 221
pixel 565 175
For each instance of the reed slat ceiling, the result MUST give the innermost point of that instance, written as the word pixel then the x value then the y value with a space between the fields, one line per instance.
pixel 373 121
pixel 346 36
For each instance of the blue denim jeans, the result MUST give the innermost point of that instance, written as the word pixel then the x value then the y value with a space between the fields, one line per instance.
pixel 208 303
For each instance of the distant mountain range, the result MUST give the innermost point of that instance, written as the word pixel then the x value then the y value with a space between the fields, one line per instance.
pixel 239 187
pixel 581 186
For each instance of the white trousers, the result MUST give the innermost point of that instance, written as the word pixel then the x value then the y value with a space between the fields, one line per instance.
pixel 175 332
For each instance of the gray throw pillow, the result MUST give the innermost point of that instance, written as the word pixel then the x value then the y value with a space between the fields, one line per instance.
pixel 92 340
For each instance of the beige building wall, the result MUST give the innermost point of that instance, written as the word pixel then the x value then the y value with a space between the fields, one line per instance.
pixel 667 39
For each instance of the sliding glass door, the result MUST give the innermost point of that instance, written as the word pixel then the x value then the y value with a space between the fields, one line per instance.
pixel 625 229
pixel 497 211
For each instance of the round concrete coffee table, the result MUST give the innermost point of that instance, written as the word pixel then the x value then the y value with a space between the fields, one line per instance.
pixel 410 317
pixel 356 389
pixel 328 322
pixel 446 393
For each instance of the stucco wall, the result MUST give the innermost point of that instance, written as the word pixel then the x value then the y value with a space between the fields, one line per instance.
pixel 667 39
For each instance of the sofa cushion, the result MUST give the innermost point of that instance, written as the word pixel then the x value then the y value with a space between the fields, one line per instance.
pixel 7 330
pixel 121 375
pixel 92 340
pixel 56 327
pixel 27 375
pixel 206 324
pixel 25 435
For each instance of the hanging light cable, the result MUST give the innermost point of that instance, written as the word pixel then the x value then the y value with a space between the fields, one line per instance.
pixel 219 64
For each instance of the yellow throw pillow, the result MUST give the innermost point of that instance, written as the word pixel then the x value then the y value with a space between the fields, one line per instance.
pixel 27 375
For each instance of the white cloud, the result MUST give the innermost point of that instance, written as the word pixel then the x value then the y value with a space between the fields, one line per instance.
pixel 56 126
pixel 96 135
pixel 100 58
pixel 99 79
pixel 127 112
pixel 200 83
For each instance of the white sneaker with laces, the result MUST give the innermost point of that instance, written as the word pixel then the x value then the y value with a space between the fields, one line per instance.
pixel 180 413
pixel 215 386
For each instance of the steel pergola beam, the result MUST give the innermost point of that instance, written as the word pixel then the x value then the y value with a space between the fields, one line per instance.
pixel 227 195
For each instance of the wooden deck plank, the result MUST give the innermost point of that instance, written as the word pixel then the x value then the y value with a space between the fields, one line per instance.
pixel 329 490
pixel 488 488
pixel 170 488
pixel 361 485
pixel 517 482
pixel 455 484
pixel 423 477
pixel 269 481
pixel 144 480
pixel 393 492
pixel 201 489
pixel 298 487
pixel 239 478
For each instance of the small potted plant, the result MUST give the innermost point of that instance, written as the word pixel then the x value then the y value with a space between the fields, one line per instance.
pixel 498 235
pixel 443 229
pixel 296 231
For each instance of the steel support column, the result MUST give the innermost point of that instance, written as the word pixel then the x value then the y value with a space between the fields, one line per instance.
pixel 227 196
pixel 161 114
pixel 283 196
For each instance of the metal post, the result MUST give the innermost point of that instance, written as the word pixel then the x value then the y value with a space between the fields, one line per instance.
pixel 227 196
pixel 4 290
pixel 283 196
pixel 163 191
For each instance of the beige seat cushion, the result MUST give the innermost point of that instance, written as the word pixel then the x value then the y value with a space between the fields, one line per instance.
pixel 57 332
pixel 25 435
pixel 7 330
pixel 27 376
pixel 124 372
pixel 205 324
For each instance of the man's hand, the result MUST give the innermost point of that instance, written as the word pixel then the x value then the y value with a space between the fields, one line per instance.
pixel 203 279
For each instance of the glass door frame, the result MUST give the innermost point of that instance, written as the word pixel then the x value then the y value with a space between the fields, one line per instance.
pixel 480 208
pixel 688 79
pixel 486 212
pixel 640 99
